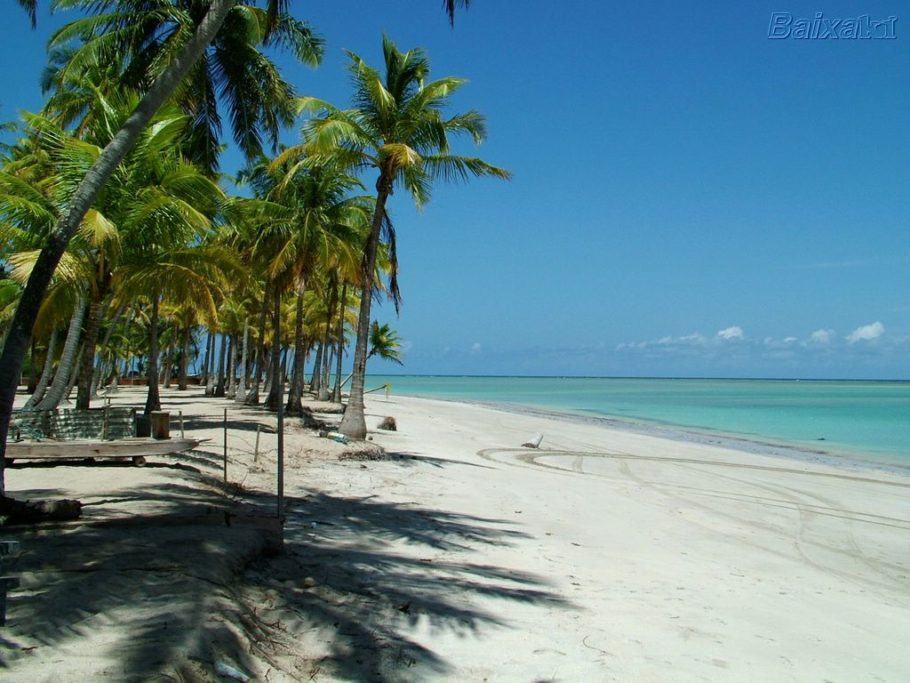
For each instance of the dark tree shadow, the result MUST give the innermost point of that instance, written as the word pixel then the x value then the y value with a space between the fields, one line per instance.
pixel 414 459
pixel 344 572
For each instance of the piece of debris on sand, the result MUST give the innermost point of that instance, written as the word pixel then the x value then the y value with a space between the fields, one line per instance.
pixel 388 424
pixel 363 450
pixel 534 442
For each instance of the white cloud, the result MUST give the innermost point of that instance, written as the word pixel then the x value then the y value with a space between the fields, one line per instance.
pixel 666 344
pixel 731 333
pixel 821 336
pixel 774 343
pixel 868 332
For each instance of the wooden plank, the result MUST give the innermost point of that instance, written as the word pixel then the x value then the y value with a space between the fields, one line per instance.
pixel 122 448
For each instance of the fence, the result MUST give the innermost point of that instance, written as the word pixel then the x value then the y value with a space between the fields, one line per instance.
pixel 104 423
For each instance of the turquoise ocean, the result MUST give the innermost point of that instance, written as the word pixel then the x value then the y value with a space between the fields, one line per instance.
pixel 841 417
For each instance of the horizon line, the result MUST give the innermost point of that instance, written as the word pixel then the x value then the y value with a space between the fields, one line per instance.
pixel 699 377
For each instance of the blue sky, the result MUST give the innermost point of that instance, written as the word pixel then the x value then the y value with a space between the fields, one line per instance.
pixel 690 198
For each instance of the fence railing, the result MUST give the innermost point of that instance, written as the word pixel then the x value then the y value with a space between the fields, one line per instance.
pixel 109 422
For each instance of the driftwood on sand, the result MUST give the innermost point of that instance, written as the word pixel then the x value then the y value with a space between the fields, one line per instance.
pixel 14 511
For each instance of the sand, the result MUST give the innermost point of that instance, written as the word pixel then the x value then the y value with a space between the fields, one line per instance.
pixel 604 555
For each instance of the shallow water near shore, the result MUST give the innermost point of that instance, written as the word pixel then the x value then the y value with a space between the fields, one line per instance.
pixel 840 417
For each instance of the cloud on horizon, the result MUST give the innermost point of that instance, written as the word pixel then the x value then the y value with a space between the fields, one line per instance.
pixel 731 333
pixel 821 337
pixel 869 332
pixel 731 347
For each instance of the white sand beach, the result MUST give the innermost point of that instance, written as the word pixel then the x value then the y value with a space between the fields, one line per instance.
pixel 604 555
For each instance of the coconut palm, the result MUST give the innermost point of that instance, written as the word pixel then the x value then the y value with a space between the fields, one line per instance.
pixel 31 8
pixel 132 41
pixel 185 55
pixel 384 342
pixel 396 128
pixel 155 185
pixel 322 234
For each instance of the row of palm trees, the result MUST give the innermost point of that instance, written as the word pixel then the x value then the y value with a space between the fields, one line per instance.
pixel 120 245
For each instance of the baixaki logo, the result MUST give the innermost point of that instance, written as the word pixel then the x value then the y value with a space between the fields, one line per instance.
pixel 783 25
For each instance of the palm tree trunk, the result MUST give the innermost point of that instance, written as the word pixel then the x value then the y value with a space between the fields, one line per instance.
pixel 204 374
pixel 327 372
pixel 87 361
pixel 87 192
pixel 74 377
pixel 57 391
pixel 153 400
pixel 317 363
pixel 33 375
pixel 99 375
pixel 267 388
pixel 339 354
pixel 353 424
pixel 208 377
pixel 184 359
pixel 45 378
pixel 252 398
pixel 222 367
pixel 240 393
pixel 294 406
pixel 275 389
pixel 169 361
pixel 232 370
pixel 323 394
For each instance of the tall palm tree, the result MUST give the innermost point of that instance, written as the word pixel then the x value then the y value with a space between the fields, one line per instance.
pixel 323 233
pixel 161 87
pixel 396 128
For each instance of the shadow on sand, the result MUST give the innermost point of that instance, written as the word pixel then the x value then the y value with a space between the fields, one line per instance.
pixel 184 585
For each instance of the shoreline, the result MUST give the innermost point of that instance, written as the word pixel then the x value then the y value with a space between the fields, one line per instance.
pixel 705 436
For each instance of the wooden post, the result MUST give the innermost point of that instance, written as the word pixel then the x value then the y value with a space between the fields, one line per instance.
pixel 256 448
pixel 180 416
pixel 225 445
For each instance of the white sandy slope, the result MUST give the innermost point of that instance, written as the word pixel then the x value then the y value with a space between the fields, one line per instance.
pixel 675 561
pixel 605 555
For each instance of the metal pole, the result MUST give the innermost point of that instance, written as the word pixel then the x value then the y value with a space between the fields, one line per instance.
pixel 182 434
pixel 281 458
pixel 225 445
pixel 256 448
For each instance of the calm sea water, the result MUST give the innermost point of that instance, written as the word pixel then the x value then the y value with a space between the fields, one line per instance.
pixel 858 417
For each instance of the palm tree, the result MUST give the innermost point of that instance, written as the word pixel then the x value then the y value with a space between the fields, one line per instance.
pixel 384 342
pixel 162 86
pixel 31 8
pixel 396 128
pixel 322 233
pixel 154 185
pixel 131 43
